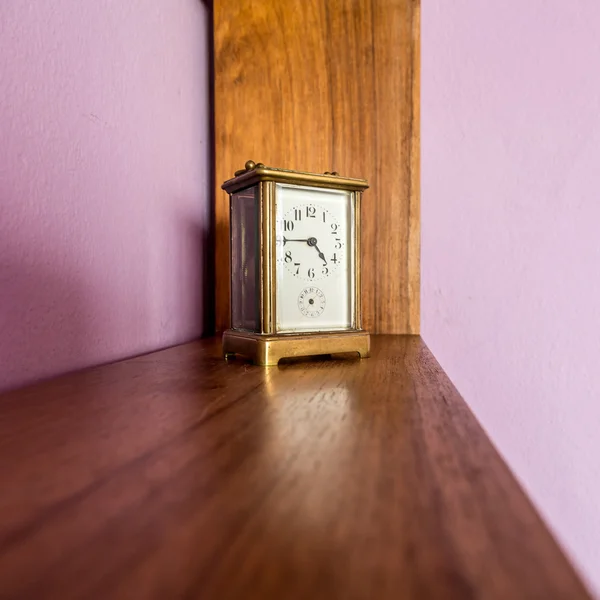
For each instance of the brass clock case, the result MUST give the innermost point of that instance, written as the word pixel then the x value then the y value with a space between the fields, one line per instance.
pixel 258 338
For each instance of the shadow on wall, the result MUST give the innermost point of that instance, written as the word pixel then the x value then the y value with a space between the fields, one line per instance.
pixel 210 268
pixel 188 260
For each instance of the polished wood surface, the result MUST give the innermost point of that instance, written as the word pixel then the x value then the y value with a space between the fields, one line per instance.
pixel 328 86
pixel 178 475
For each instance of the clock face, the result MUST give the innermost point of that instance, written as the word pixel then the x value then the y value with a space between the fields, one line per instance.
pixel 315 250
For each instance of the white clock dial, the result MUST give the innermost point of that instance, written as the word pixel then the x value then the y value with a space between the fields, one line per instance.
pixel 314 250
pixel 312 242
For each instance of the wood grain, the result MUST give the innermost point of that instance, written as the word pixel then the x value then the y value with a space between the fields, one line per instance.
pixel 176 475
pixel 328 86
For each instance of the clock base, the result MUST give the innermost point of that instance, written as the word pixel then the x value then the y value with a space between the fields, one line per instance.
pixel 268 349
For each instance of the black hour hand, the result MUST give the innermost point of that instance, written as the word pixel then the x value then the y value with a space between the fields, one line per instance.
pixel 321 256
pixel 312 241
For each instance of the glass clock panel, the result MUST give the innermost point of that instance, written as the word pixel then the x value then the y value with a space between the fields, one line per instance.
pixel 315 259
pixel 244 260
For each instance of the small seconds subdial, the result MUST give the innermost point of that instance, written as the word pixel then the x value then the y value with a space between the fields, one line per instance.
pixel 310 242
pixel 311 302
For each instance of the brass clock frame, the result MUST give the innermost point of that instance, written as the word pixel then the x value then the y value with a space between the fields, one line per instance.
pixel 266 347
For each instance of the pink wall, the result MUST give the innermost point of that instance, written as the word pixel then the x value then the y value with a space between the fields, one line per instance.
pixel 104 181
pixel 511 239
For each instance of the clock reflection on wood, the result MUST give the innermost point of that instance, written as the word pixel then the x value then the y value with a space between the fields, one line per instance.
pixel 295 264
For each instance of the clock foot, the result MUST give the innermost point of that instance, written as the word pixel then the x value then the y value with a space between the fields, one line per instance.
pixel 266 362
pixel 267 350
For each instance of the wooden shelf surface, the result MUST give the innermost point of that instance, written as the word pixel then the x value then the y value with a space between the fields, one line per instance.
pixel 177 475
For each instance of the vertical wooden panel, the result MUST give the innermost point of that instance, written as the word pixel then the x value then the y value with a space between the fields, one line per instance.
pixel 328 86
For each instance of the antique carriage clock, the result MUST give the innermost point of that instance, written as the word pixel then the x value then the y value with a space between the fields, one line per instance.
pixel 295 264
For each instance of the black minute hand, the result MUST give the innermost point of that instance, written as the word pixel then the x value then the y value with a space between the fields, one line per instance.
pixel 286 240
pixel 311 241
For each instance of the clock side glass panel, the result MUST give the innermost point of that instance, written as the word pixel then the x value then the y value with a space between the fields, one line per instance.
pixel 315 259
pixel 245 254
